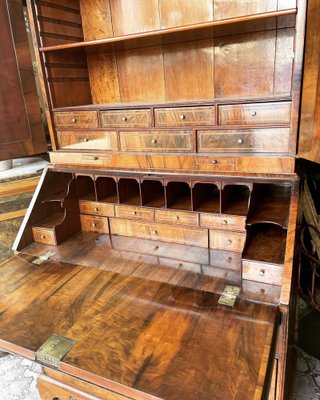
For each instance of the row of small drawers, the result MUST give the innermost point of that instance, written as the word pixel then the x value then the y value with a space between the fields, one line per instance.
pixel 273 139
pixel 189 218
pixel 236 114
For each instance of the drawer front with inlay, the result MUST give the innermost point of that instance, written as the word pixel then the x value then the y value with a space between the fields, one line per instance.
pixel 177 217
pixel 223 240
pixel 76 119
pixel 274 140
pixel 255 114
pixel 184 116
pixel 169 233
pixel 135 212
pixel 96 208
pixel 217 221
pixel 88 140
pixel 126 118
pixel 162 141
pixel 260 272
pixel 94 224
pixel 45 236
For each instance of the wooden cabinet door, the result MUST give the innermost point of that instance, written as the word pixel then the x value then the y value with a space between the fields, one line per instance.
pixel 309 136
pixel 21 129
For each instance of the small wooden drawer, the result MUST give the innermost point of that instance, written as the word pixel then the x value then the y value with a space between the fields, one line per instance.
pixel 231 241
pixel 161 141
pixel 90 140
pixel 184 116
pixel 177 217
pixel 181 265
pixel 262 272
pixel 76 119
pixel 135 212
pixel 255 114
pixel 93 159
pixel 169 233
pixel 126 118
pixel 94 224
pixel 96 208
pixel 227 222
pixel 45 236
pixel 254 140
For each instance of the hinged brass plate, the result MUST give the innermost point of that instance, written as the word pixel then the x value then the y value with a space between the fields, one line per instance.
pixel 229 296
pixel 53 350
pixel 44 257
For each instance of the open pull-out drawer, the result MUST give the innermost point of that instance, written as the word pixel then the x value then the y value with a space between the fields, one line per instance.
pixel 137 338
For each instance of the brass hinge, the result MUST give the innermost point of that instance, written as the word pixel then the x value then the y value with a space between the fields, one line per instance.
pixel 44 257
pixel 53 350
pixel 229 296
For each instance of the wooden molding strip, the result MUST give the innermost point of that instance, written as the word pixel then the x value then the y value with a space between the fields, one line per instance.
pixel 13 214
pixel 17 187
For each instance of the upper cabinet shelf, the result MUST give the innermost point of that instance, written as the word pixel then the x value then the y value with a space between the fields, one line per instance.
pixel 194 31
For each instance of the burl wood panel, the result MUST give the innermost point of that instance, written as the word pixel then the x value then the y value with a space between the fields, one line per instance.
pixel 126 118
pixel 90 140
pixel 140 338
pixel 76 119
pixel 184 116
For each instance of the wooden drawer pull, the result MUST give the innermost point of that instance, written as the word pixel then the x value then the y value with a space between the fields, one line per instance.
pixel 254 113
pixel 124 119
pixel 154 141
pixel 177 217
pixel 240 141
pixel 86 140
pixel 74 120
pixel 229 241
pixel 154 232
pixel 214 162
pixel 95 158
pixel 182 117
pixel 134 212
pixel 96 209
pixel 43 236
pixel 94 225
pixel 262 272
pixel 225 222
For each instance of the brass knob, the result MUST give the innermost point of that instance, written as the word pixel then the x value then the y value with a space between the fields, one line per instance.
pixel 240 141
pixel 225 221
pixel 182 116
pixel 43 237
pixel 214 161
pixel 86 140
pixel 134 212
pixel 96 209
pixel 177 217
pixel 95 158
pixel 154 232
pixel 124 119
pixel 254 113
pixel 153 141
pixel 74 120
pixel 93 225
pixel 229 241
pixel 262 272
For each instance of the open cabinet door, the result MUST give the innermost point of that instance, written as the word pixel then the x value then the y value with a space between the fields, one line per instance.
pixel 137 337
pixel 21 129
pixel 309 140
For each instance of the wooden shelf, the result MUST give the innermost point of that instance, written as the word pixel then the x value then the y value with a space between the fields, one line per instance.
pixel 144 39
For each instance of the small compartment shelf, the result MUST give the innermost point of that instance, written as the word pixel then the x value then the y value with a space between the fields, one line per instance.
pixel 152 193
pixel 270 203
pixel 106 188
pixel 235 199
pixel 265 243
pixel 129 191
pixel 85 188
pixel 179 196
pixel 206 197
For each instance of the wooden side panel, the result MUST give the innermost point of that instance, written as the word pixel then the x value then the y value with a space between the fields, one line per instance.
pixel 231 8
pixel 96 19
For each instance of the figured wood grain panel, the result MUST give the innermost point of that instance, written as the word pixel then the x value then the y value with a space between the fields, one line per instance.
pixel 90 140
pixel 46 236
pixel 230 8
pixel 141 75
pixel 76 119
pixel 96 208
pixel 94 224
pixel 244 65
pixel 177 217
pixel 180 12
pixel 189 70
pixel 133 16
pixel 103 75
pixel 169 233
pixel 184 116
pixel 284 61
pixel 273 140
pixel 227 240
pixel 126 118
pixel 158 141
pixel 264 273
pixel 96 19
pixel 132 212
pixel 224 222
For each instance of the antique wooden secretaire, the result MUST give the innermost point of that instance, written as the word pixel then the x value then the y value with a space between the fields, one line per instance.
pixel 156 260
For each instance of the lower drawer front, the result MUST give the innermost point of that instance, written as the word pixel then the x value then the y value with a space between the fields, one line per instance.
pixel 256 140
pixel 94 224
pixel 169 233
pixel 177 217
pixel 260 272
pixel 52 390
pixel 45 236
pixel 182 141
pixel 227 222
pixel 96 208
pixel 88 140
pixel 223 240
pixel 76 119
